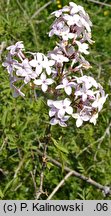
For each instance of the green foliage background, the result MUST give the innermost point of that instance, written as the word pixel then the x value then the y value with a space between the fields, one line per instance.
pixel 23 122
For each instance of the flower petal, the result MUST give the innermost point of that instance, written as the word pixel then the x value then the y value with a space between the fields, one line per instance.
pixel 54 121
pixel 49 81
pixel 57 104
pixel 69 110
pixel 67 102
pixel 79 122
pixel 68 90
pixel 33 63
pixel 38 82
pixel 44 87
pixel 61 113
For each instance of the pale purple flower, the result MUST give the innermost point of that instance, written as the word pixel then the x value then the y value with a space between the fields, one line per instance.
pixel 9 63
pixel 62 30
pixel 57 28
pixel 84 93
pixel 61 122
pixel 87 37
pixel 53 109
pixel 24 70
pixel 58 13
pixel 86 88
pixel 88 80
pixel 14 49
pixel 44 82
pixel 17 91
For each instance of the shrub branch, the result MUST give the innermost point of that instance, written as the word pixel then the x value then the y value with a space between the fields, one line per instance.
pixel 105 189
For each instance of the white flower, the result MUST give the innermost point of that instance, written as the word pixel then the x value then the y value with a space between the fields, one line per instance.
pixel 59 58
pixel 85 24
pixel 66 85
pixel 47 65
pixel 37 63
pixel 44 82
pixel 79 121
pixel 72 20
pixel 63 107
pixel 94 117
pixel 80 118
pixel 40 61
pixel 82 47
pixel 76 8
pixel 65 33
pixel 100 100
pixel 53 112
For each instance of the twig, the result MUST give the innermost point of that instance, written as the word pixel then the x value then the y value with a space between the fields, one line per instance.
pixel 40 191
pixel 59 185
pixel 40 9
pixel 44 157
pixel 100 140
pixel 106 190
pixel 19 167
pixel 101 3
pixel 2 47
pixel 33 179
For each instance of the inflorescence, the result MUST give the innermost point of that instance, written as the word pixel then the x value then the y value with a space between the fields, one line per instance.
pixel 60 73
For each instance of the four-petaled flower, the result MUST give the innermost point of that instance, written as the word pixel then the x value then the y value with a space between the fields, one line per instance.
pixel 39 62
pixel 59 58
pixel 82 47
pixel 44 82
pixel 63 107
pixel 55 112
pixel 67 86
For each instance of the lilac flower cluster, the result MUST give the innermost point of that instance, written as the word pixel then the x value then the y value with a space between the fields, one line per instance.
pixel 60 73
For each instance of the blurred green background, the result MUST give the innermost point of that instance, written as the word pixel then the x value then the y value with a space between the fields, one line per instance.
pixel 23 122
